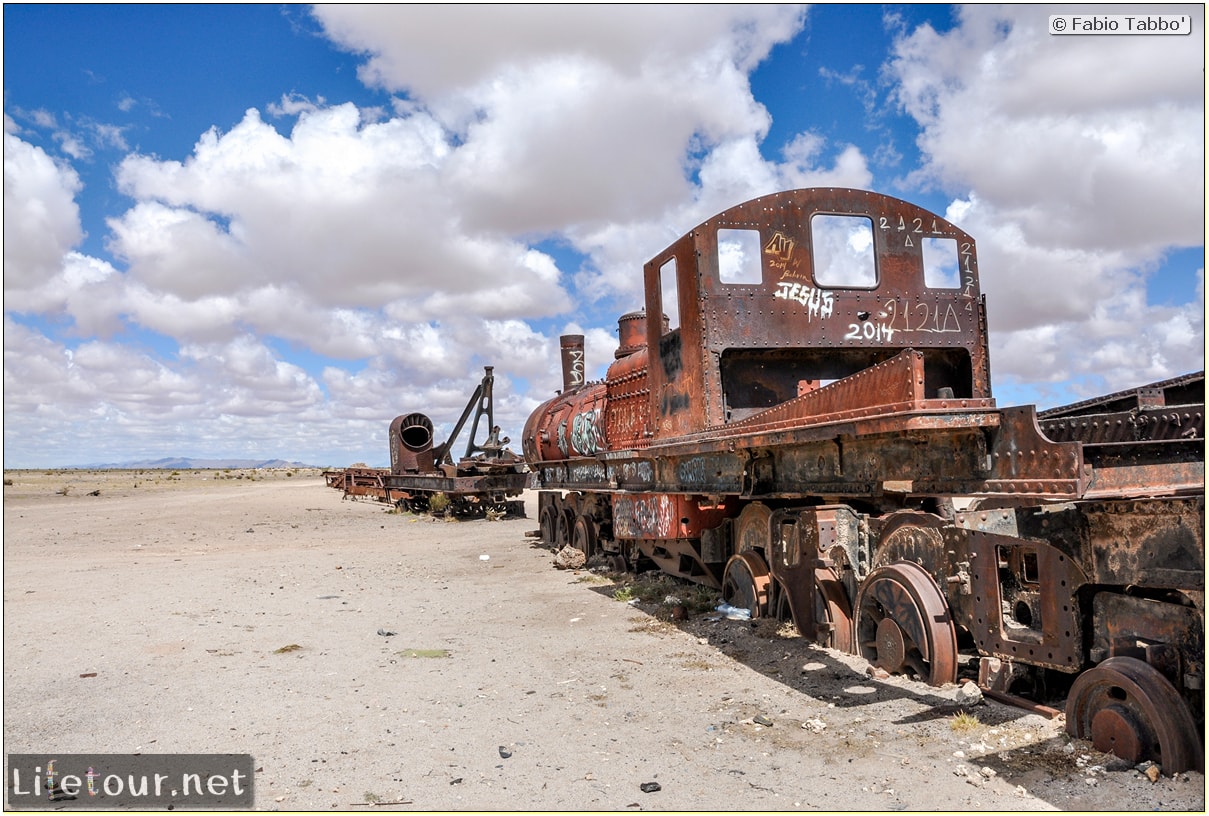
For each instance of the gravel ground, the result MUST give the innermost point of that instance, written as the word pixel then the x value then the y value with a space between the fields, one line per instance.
pixel 371 660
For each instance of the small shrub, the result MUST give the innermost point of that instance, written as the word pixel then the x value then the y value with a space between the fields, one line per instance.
pixel 964 721
pixel 439 503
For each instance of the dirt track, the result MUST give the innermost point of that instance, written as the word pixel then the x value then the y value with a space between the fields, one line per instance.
pixel 185 595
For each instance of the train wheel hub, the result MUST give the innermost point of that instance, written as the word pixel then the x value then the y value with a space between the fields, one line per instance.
pixel 1117 730
pixel 891 646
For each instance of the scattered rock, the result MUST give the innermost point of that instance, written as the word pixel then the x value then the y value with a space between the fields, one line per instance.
pixel 386 633
pixel 650 787
pixel 1153 773
pixel 760 719
pixel 569 558
pixel 969 694
pixel 814 725
pixel 876 672
pixel 504 752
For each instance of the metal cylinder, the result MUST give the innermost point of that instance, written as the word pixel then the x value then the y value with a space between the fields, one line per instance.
pixel 573 360
pixel 631 333
pixel 411 444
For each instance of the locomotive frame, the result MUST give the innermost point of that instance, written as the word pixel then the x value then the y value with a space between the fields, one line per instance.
pixel 810 428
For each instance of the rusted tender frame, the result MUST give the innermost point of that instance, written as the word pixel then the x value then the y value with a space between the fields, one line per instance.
pixel 487 477
pixel 795 434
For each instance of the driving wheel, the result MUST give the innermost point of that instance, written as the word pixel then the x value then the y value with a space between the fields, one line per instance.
pixel 745 583
pixel 1126 707
pixel 583 536
pixel 903 624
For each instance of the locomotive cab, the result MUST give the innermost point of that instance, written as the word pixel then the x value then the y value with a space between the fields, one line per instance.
pixel 776 298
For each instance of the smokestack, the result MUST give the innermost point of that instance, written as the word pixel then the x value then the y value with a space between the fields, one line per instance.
pixel 573 360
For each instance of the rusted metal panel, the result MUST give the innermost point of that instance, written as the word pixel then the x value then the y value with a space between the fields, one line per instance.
pixel 503 484
pixel 1151 424
pixel 1159 543
pixel 1156 543
pixel 1146 480
pixel 1168 636
pixel 1188 389
pixel 663 516
pixel 1025 605
pixel 628 417
pixel 1024 462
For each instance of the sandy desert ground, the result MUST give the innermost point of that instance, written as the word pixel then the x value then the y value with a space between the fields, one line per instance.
pixel 371 660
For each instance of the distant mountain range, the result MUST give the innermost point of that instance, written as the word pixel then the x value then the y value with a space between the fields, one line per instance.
pixel 183 463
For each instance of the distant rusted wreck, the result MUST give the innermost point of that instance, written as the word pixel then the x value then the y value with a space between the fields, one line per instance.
pixel 423 476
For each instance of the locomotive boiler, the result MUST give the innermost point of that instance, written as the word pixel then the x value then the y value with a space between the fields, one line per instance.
pixel 801 416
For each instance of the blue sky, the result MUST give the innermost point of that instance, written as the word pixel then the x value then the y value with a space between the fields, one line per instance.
pixel 265 231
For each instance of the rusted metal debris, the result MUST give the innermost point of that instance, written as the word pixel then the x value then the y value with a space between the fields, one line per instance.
pixel 486 478
pixel 809 427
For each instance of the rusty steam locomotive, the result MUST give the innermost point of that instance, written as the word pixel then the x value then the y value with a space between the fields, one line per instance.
pixel 807 425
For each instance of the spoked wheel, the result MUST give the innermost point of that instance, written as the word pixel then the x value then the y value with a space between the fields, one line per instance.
pixel 583 536
pixel 566 527
pixel 549 526
pixel 745 583
pixel 783 609
pixel 832 611
pixel 903 624
pixel 1128 708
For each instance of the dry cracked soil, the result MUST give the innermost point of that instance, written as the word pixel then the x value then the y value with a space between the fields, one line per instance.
pixel 372 660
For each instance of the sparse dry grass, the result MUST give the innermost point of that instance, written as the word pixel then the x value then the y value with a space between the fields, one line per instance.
pixel 666 591
pixel 963 722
